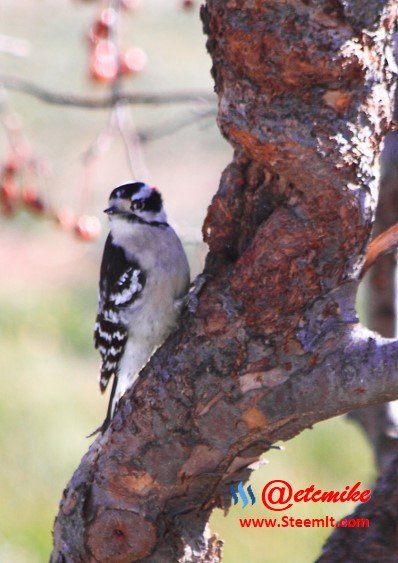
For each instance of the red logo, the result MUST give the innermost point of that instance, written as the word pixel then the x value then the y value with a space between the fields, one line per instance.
pixel 278 495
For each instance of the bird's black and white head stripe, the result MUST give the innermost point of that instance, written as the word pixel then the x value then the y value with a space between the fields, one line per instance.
pixel 137 202
pixel 127 191
pixel 138 191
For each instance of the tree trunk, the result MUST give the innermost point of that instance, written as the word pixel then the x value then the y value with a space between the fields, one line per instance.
pixel 273 345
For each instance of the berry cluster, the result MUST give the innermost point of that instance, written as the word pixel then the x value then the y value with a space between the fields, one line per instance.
pixel 14 195
pixel 106 63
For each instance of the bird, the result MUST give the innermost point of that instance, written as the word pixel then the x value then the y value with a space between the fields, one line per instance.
pixel 144 280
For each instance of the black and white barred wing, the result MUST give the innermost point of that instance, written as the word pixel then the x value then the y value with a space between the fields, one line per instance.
pixel 121 285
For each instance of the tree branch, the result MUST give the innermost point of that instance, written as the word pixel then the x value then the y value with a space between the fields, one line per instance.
pixel 378 542
pixel 274 345
pixel 74 100
pixel 170 464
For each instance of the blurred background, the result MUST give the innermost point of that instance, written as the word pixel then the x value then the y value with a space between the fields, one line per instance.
pixel 49 399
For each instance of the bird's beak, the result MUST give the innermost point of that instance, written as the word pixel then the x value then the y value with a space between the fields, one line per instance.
pixel 111 210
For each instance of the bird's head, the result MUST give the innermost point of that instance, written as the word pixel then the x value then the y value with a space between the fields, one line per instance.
pixel 136 202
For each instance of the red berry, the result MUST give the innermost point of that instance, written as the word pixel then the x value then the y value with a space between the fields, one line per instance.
pixel 8 191
pixel 88 227
pixel 98 31
pixel 8 197
pixel 65 218
pixel 108 17
pixel 103 62
pixel 11 165
pixel 32 201
pixel 132 61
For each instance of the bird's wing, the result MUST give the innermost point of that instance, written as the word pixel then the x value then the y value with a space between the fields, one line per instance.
pixel 121 284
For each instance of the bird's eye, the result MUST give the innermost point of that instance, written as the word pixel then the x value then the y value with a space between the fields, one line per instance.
pixel 137 205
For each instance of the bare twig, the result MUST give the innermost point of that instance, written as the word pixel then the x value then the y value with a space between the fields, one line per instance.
pixel 132 143
pixel 18 143
pixel 382 245
pixel 123 118
pixel 137 98
pixel 101 144
pixel 175 125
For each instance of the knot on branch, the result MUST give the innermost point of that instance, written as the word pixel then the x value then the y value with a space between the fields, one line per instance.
pixel 121 536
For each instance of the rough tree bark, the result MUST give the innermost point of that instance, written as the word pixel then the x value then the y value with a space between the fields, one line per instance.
pixel 379 541
pixel 274 345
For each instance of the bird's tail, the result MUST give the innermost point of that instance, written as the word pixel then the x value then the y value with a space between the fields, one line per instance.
pixel 109 413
